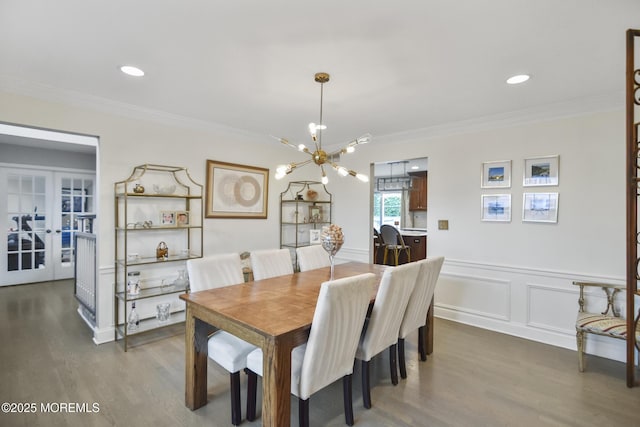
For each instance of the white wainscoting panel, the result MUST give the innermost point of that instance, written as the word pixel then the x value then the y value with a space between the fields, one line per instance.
pixel 479 296
pixel 533 304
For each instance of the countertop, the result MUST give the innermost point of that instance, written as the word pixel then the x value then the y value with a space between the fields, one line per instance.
pixel 413 232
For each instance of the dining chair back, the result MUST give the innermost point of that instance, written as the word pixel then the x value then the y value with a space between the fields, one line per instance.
pixel 225 349
pixel 393 242
pixel 312 257
pixel 214 271
pixel 415 316
pixel 271 263
pixel 381 329
pixel 329 352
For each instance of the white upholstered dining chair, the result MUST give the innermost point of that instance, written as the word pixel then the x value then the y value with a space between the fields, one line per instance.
pixel 312 257
pixel 225 349
pixel 271 263
pixel 415 316
pixel 381 328
pixel 328 354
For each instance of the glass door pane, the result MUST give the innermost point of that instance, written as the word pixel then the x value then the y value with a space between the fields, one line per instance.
pixel 24 203
pixel 76 198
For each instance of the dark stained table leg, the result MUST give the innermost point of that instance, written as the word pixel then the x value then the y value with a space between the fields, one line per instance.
pixel 196 340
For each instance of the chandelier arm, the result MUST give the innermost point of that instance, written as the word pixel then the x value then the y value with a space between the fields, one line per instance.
pixel 336 152
pixel 303 163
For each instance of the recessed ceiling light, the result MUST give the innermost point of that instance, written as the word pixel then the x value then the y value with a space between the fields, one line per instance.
pixel 415 167
pixel 520 78
pixel 132 71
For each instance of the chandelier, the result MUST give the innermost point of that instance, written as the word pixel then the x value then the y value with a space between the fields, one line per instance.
pixel 318 155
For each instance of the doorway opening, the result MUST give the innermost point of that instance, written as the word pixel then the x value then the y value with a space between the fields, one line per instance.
pixel 48 182
pixel 400 194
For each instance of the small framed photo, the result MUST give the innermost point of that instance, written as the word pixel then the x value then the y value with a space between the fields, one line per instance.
pixel 182 218
pixel 168 218
pixel 496 174
pixel 315 213
pixel 314 237
pixel 540 207
pixel 496 207
pixel 540 171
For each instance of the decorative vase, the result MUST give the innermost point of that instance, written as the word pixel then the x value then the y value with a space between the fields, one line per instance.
pixel 331 239
pixel 182 279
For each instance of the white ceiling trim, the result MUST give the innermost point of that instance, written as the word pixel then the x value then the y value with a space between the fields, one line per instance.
pixel 130 111
pixel 577 107
pixel 574 108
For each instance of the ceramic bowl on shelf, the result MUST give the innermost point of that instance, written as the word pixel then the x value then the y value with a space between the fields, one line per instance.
pixel 169 189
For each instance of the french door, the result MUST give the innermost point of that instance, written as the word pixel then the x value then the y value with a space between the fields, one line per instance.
pixel 42 211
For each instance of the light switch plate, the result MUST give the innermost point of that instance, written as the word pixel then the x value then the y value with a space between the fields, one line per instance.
pixel 443 224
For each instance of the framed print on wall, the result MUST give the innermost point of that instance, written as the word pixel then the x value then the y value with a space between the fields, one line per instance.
pixel 541 171
pixel 496 174
pixel 540 207
pixel 236 191
pixel 496 207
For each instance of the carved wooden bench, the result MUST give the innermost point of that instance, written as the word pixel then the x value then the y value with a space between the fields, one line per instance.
pixel 608 323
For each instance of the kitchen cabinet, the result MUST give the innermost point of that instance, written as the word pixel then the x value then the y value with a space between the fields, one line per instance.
pixel 418 192
pixel 418 244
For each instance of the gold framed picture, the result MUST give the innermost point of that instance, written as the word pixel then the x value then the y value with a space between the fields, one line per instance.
pixel 236 191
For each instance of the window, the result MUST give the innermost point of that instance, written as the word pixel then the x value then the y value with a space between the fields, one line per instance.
pixel 387 208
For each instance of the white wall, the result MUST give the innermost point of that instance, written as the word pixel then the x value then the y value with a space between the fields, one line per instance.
pixel 514 277
pixel 21 155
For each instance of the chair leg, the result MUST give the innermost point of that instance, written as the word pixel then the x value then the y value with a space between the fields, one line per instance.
pixel 397 252
pixel 366 385
pixel 236 412
pixel 393 363
pixel 384 256
pixel 401 361
pixel 252 385
pixel 408 254
pixel 347 395
pixel 422 346
pixel 303 412
pixel 580 342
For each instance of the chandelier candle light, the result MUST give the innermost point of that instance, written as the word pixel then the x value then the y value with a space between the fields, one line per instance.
pixel 319 156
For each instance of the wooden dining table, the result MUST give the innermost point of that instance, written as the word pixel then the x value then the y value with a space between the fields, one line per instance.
pixel 274 314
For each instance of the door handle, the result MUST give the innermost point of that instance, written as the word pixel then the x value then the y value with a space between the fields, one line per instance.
pixel 48 230
pixel 58 231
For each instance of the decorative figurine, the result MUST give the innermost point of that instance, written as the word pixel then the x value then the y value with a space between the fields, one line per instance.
pixel 162 251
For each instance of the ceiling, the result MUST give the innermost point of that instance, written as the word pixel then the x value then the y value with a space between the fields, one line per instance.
pixel 249 64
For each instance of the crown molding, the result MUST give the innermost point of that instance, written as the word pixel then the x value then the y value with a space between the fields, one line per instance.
pixel 122 109
pixel 542 113
pixel 572 108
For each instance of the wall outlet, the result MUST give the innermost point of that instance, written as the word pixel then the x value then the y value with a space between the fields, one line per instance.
pixel 443 224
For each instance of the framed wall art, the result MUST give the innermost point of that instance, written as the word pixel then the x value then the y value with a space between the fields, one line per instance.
pixel 236 191
pixel 496 174
pixel 540 207
pixel 540 171
pixel 496 207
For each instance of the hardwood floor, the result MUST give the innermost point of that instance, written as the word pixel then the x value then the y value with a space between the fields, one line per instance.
pixel 475 378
